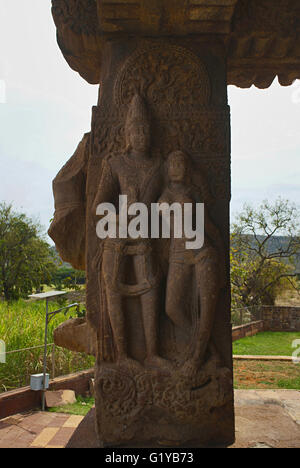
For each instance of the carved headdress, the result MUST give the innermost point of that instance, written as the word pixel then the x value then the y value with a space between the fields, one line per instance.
pixel 137 113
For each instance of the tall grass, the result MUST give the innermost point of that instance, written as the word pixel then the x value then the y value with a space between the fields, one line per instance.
pixel 22 325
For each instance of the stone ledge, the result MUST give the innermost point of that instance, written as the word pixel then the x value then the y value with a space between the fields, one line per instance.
pixel 262 358
pixel 25 399
pixel 249 329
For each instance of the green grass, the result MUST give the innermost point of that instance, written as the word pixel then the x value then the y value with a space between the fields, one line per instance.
pixel 267 344
pixel 80 408
pixel 22 325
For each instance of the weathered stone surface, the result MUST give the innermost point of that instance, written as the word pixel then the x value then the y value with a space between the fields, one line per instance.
pixel 85 435
pixel 60 398
pixel 262 417
pixel 261 36
pixel 69 189
pixel 76 335
pixel 170 363
pixel 262 421
pixel 161 132
pixel 92 387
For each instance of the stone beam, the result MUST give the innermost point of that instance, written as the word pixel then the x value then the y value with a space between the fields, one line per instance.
pixel 262 37
pixel 165 17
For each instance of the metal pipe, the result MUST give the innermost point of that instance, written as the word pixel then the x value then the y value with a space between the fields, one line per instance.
pixel 63 308
pixel 45 359
pixel 53 361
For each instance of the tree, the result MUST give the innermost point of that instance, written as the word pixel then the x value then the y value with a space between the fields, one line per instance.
pixel 265 243
pixel 66 277
pixel 26 260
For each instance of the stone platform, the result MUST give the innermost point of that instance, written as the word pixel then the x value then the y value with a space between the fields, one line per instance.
pixel 264 419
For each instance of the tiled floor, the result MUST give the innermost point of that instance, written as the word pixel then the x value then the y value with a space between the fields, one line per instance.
pixel 264 419
pixel 38 430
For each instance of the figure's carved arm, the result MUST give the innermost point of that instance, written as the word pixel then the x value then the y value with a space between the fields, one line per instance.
pixel 213 233
pixel 108 189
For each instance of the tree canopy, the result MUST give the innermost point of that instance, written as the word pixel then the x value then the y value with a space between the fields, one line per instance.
pixel 265 243
pixel 26 260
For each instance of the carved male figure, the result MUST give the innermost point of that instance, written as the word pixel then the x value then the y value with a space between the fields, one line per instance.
pixel 128 267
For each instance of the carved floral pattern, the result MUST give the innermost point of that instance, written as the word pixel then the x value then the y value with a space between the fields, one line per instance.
pixel 164 74
pixel 126 396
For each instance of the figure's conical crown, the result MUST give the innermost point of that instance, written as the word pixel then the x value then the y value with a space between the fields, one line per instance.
pixel 137 112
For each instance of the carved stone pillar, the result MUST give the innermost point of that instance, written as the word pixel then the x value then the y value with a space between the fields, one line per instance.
pixel 183 84
pixel 160 131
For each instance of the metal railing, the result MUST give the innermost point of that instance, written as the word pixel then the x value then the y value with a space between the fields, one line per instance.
pixel 244 315
pixel 21 363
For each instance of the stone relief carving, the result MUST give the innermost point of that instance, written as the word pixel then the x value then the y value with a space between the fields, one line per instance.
pixel 258 29
pixel 136 175
pixel 163 75
pixel 195 381
pixel 69 187
pixel 204 268
pixel 152 303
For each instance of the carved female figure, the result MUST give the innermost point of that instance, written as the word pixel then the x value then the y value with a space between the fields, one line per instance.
pixel 202 266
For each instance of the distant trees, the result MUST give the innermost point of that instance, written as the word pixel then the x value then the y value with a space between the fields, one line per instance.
pixel 265 243
pixel 26 260
pixel 66 277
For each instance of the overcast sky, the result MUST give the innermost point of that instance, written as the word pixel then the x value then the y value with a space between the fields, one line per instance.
pixel 45 108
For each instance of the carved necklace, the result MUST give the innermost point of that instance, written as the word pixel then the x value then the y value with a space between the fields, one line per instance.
pixel 138 162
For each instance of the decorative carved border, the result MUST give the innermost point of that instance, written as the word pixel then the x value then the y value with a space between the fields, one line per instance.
pixel 133 78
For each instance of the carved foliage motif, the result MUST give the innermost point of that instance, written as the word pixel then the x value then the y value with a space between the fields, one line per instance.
pixel 205 138
pixel 177 88
pixel 206 133
pixel 164 75
pixel 125 396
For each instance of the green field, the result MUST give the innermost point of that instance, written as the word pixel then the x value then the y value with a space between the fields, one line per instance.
pixel 267 344
pixel 22 325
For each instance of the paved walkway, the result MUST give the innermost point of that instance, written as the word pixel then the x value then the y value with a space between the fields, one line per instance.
pixel 267 419
pixel 38 430
pixel 264 419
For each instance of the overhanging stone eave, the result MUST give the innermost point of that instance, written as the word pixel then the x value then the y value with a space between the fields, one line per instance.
pixel 242 72
pixel 262 73
pixel 259 42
